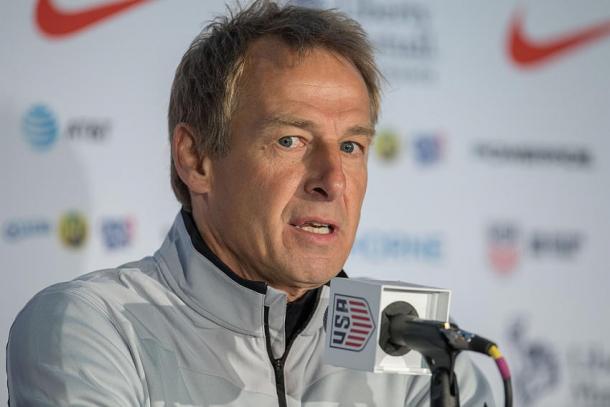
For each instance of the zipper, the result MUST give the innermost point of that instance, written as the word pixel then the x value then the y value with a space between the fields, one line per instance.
pixel 278 364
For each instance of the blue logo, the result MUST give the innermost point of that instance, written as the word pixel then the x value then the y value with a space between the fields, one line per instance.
pixel 382 246
pixel 40 127
pixel 21 229
pixel 118 232
pixel 428 148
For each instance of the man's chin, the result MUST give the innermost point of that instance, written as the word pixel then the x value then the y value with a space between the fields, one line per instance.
pixel 315 274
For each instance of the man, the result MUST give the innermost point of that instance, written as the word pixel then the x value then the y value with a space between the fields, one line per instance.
pixel 271 117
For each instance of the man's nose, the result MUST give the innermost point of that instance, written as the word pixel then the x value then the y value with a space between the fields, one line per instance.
pixel 325 178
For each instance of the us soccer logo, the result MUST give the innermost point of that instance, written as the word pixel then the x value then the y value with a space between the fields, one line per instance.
pixel 351 323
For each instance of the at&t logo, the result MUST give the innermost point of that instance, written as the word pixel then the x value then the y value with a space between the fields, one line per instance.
pixel 40 127
pixel 351 323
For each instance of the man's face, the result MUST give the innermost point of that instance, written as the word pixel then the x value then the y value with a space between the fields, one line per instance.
pixel 284 204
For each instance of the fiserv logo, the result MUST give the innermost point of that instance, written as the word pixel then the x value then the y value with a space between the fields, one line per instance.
pixel 351 323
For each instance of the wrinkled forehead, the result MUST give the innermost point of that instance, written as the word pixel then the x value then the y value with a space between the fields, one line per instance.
pixel 270 59
pixel 273 50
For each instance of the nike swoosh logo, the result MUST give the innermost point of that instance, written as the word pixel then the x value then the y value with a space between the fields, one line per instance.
pixel 528 53
pixel 54 22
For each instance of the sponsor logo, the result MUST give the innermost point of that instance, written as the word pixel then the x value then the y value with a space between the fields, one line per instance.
pixel 401 32
pixel 73 229
pixel 404 35
pixel 538 369
pixel 556 244
pixel 387 145
pixel 118 232
pixel 535 364
pixel 351 323
pixel 503 247
pixel 17 230
pixel 554 156
pixel 589 375
pixel 54 22
pixel 88 129
pixel 528 53
pixel 388 246
pixel 507 246
pixel 428 148
pixel 40 127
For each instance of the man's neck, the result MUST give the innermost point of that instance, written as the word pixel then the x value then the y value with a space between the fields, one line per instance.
pixel 239 274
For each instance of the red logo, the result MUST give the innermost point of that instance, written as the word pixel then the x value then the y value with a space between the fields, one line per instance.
pixel 528 53
pixel 54 22
pixel 351 323
pixel 503 247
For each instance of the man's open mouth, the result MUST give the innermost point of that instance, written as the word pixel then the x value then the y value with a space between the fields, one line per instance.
pixel 315 227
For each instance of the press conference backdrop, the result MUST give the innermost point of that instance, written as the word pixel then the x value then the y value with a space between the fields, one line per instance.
pixel 490 174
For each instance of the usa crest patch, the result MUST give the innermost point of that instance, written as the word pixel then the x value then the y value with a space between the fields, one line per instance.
pixel 351 323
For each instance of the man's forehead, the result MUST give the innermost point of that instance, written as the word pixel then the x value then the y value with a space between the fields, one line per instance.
pixel 271 52
pixel 274 68
pixel 269 48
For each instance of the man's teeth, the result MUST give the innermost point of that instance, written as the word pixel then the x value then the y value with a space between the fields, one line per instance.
pixel 316 228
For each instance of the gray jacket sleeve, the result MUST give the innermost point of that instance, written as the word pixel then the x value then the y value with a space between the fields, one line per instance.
pixel 64 350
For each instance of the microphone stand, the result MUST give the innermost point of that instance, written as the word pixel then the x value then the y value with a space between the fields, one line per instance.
pixel 426 338
pixel 439 343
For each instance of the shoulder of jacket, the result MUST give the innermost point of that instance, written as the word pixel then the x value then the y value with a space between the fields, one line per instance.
pixel 104 289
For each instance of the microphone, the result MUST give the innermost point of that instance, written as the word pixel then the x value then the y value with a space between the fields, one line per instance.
pixel 373 326
pixel 402 330
pixel 355 323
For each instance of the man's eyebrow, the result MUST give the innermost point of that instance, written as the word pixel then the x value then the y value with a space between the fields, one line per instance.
pixel 278 121
pixel 368 131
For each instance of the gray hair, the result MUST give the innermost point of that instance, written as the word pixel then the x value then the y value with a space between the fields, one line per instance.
pixel 204 90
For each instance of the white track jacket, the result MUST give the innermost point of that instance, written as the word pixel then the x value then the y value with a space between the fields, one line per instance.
pixel 175 330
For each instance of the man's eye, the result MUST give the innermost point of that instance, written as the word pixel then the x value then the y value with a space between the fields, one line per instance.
pixel 289 141
pixel 349 147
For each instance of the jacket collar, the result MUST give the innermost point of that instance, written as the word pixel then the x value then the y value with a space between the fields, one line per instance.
pixel 201 246
pixel 210 291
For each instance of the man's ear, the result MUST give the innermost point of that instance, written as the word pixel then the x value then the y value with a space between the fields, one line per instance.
pixel 194 169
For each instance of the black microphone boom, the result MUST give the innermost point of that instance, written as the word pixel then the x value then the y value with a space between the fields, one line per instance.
pixel 439 343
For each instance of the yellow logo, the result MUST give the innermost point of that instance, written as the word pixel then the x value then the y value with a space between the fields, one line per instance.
pixel 73 229
pixel 387 145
